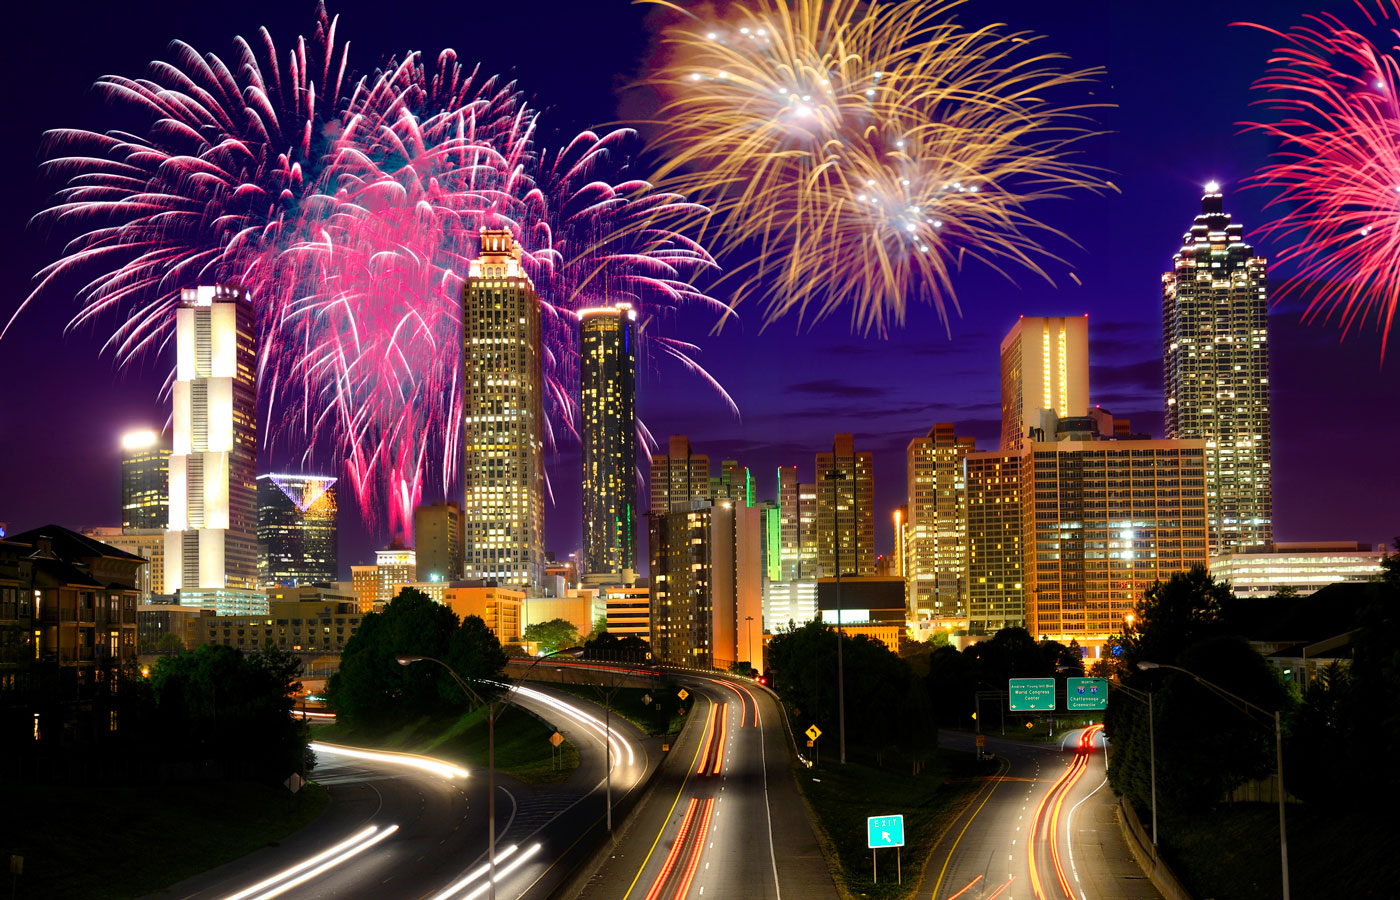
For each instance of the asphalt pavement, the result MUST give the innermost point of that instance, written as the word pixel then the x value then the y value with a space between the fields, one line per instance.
pixel 723 818
pixel 1041 828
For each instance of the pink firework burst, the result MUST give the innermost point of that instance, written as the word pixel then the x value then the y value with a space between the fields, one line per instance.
pixel 349 206
pixel 1333 91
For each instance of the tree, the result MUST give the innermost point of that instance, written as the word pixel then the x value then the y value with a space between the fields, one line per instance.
pixel 600 624
pixel 371 688
pixel 607 646
pixel 556 634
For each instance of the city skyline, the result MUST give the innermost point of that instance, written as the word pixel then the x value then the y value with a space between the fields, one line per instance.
pixel 783 385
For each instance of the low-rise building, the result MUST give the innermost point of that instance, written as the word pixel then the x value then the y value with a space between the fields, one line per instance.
pixel 1303 566
pixel 295 626
pixel 500 608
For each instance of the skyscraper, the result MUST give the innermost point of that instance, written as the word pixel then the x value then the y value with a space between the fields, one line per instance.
pixel 678 477
pixel 937 531
pixel 845 514
pixel 797 513
pixel 437 536
pixel 608 414
pixel 211 547
pixel 145 481
pixel 502 412
pixel 733 483
pixel 1215 343
pixel 1044 365
pixel 996 595
pixel 297 537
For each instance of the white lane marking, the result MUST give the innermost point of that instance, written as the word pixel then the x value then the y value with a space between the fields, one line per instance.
pixel 1069 824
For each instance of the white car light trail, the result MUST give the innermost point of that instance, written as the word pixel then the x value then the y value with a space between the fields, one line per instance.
pixel 425 763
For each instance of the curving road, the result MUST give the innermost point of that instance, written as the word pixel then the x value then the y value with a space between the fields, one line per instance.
pixel 723 818
pixel 410 827
pixel 1042 828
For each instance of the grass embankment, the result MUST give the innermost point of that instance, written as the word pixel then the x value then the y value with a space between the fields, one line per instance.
pixel 109 843
pixel 842 797
pixel 1231 853
pixel 627 703
pixel 523 750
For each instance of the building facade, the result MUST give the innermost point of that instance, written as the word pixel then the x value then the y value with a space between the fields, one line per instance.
pixel 996 594
pixel 937 529
pixel 1044 365
pixel 437 538
pixel 500 608
pixel 845 510
pixel 146 543
pixel 706 585
pixel 608 436
pixel 503 424
pixel 1215 340
pixel 297 530
pixel 628 611
pixel 374 585
pixel 797 524
pixel 145 481
pixel 1302 566
pixel 1101 521
pixel 211 547
pixel 678 477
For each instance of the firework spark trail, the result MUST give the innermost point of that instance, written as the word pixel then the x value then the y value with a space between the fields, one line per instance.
pixel 1334 90
pixel 862 151
pixel 348 206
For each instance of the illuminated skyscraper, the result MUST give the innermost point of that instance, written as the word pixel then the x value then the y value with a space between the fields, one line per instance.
pixel 1044 365
pixel 502 412
pixel 1215 341
pixel 145 481
pixel 437 536
pixel 211 547
pixel 996 595
pixel 734 483
pixel 937 531
pixel 845 513
pixel 608 414
pixel 678 477
pixel 797 514
pixel 297 518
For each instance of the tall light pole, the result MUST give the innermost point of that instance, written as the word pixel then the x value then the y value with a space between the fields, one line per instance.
pixel 749 621
pixel 1246 707
pixel 834 475
pixel 493 711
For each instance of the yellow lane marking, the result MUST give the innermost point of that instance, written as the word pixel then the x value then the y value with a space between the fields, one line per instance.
pixel 1005 767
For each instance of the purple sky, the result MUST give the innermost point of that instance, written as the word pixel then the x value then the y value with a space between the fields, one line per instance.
pixel 1178 74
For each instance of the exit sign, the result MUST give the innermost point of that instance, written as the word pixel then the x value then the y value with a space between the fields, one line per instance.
pixel 884 831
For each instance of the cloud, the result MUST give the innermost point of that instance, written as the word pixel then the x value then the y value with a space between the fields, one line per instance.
pixel 1145 374
pixel 830 387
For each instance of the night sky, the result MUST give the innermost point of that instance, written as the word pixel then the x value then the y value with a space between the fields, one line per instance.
pixel 1178 74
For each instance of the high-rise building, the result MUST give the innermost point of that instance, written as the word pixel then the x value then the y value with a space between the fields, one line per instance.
pixel 797 513
pixel 707 585
pixel 148 544
pixel 937 532
pixel 145 481
pixel 845 510
pixel 608 416
pixel 996 596
pixel 437 538
pixel 1101 521
pixel 1044 365
pixel 502 412
pixel 297 530
pixel 733 483
pixel 211 547
pixel 1215 343
pixel 678 477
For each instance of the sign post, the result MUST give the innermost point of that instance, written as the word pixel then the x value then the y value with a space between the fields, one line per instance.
pixel 885 831
pixel 813 732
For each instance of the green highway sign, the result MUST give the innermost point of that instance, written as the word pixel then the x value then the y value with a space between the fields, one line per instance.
pixel 1032 694
pixel 1086 693
pixel 884 831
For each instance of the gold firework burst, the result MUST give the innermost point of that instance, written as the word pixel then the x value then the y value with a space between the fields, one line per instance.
pixel 859 153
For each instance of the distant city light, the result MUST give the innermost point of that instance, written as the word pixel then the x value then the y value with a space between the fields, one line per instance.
pixel 1212 187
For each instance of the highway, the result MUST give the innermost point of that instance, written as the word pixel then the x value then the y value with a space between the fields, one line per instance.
pixel 724 818
pixel 1042 828
pixel 412 827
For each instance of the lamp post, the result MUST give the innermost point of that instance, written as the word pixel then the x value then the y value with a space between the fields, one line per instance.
pixel 1246 707
pixel 834 475
pixel 749 641
pixel 493 711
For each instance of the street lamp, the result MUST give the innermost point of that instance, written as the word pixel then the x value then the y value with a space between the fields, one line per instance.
pixel 493 711
pixel 1246 707
pixel 834 475
pixel 749 641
